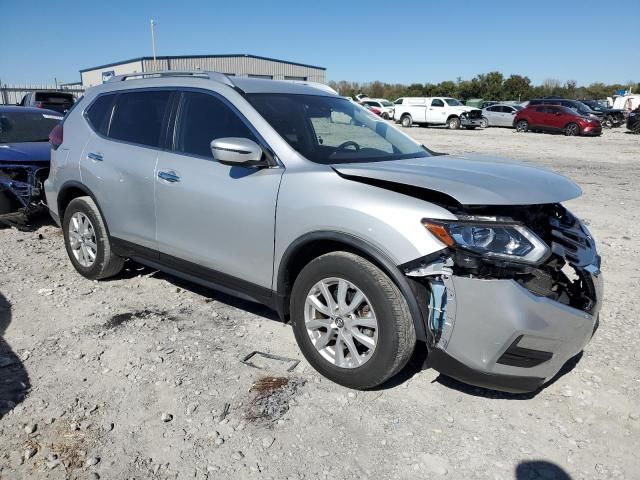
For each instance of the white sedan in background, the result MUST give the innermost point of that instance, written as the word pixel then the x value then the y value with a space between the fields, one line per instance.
pixel 499 115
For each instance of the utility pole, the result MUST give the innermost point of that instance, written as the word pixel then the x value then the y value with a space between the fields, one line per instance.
pixel 153 43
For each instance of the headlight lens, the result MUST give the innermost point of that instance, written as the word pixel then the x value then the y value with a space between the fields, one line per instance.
pixel 506 241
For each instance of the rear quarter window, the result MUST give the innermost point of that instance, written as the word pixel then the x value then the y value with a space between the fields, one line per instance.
pixel 138 117
pixel 99 113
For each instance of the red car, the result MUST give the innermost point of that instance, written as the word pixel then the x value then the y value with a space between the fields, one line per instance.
pixel 555 118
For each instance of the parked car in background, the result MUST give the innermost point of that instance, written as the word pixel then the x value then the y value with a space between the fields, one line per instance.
pixel 609 117
pixel 436 111
pixel 24 159
pixel 375 110
pixel 633 121
pixel 556 118
pixel 364 235
pixel 480 103
pixel 385 106
pixel 499 115
pixel 579 107
pixel 59 101
pixel 361 97
pixel 627 103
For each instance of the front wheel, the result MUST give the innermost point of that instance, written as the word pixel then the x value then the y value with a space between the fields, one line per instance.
pixel 484 123
pixel 607 122
pixel 522 126
pixel 572 129
pixel 351 321
pixel 453 123
pixel 86 240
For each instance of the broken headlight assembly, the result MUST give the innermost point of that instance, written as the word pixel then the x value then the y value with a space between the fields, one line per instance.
pixel 492 239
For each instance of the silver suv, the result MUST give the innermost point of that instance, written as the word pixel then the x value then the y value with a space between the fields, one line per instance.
pixel 290 195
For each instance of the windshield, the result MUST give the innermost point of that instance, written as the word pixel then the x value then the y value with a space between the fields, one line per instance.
pixel 595 106
pixel 386 103
pixel 332 130
pixel 19 127
pixel 452 102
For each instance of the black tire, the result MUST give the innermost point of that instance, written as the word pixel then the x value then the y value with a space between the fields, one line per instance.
pixel 106 263
pixel 572 129
pixel 396 333
pixel 607 122
pixel 385 116
pixel 484 123
pixel 406 121
pixel 522 126
pixel 453 123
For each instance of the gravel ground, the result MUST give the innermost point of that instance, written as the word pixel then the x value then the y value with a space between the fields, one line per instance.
pixel 141 376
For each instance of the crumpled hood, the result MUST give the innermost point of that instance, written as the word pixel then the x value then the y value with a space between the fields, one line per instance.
pixel 471 179
pixel 25 152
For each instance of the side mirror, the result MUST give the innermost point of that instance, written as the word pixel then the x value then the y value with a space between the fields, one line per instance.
pixel 238 152
pixel 513 112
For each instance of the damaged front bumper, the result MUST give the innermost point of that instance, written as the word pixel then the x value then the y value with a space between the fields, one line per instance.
pixel 497 334
pixel 21 190
pixel 513 331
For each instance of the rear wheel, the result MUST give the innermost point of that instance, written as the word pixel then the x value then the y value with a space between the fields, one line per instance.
pixel 453 123
pixel 572 129
pixel 522 126
pixel 607 122
pixel 87 242
pixel 484 123
pixel 351 321
pixel 385 115
pixel 406 121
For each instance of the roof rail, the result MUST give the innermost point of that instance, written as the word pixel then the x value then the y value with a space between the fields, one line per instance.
pixel 215 76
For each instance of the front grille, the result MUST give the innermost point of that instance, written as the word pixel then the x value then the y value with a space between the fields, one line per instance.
pixel 475 114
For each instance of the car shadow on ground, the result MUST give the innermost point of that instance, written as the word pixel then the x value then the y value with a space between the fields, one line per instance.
pixel 14 380
pixel 535 469
pixel 27 224
pixel 133 269
pixel 493 394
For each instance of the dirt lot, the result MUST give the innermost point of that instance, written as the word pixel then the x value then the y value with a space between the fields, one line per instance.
pixel 140 377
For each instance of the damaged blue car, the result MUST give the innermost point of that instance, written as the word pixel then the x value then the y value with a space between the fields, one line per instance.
pixel 24 160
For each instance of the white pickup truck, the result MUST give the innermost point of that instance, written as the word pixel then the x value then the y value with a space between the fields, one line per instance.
pixel 436 111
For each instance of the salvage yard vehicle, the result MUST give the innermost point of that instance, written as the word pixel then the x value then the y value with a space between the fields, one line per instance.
pixel 61 102
pixel 24 160
pixel 609 117
pixel 384 106
pixel 555 118
pixel 633 121
pixel 499 115
pixel 436 111
pixel 290 195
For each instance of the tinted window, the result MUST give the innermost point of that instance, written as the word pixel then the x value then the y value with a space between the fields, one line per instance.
pixel 541 109
pixel 204 118
pixel 99 112
pixel 493 109
pixel 398 101
pixel 437 103
pixel 54 97
pixel 138 117
pixel 505 109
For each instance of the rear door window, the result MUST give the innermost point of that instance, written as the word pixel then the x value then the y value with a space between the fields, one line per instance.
pixel 99 113
pixel 138 117
pixel 203 118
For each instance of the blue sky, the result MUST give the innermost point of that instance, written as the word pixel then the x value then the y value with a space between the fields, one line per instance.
pixel 396 41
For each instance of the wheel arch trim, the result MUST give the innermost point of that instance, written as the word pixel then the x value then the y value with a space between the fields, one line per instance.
pixel 80 186
pixel 359 245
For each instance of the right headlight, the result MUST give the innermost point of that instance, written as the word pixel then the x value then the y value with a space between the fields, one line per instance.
pixel 501 241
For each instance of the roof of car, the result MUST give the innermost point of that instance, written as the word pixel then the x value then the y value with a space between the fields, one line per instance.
pixel 246 85
pixel 18 108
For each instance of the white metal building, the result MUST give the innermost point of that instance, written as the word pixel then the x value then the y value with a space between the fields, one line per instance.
pixel 237 65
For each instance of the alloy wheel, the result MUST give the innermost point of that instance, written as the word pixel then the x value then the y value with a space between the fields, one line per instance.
pixel 572 129
pixel 82 239
pixel 341 323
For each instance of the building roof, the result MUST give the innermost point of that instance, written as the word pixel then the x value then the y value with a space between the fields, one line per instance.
pixel 173 57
